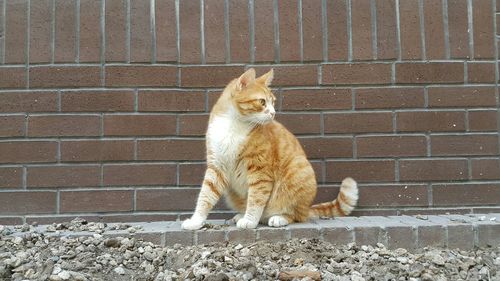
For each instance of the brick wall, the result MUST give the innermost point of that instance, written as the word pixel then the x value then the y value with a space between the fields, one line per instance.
pixel 104 104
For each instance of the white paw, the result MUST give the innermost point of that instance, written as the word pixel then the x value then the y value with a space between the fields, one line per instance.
pixel 246 223
pixel 192 224
pixel 277 221
pixel 236 218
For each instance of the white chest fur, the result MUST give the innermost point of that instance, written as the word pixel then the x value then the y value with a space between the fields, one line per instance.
pixel 225 137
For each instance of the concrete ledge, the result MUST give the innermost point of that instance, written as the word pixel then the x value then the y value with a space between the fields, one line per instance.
pixel 410 232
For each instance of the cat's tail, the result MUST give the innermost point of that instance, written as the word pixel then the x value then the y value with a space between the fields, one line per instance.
pixel 342 205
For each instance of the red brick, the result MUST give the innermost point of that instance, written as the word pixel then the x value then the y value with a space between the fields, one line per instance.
pixel 465 194
pixel 289 34
pixel 480 72
pixel 97 150
pixel 128 175
pixel 430 170
pixel 386 29
pixel 389 146
pixel 97 101
pixel 173 149
pixel 357 73
pixel 33 202
pixel 65 31
pixel 358 122
pixel 301 123
pixel 97 201
pixel 28 151
pixel 193 125
pixel 166 34
pixel 483 25
pixel 90 31
pixel 12 77
pixel 28 101
pixel 483 120
pixel 178 199
pixel 458 29
pixel 264 31
pixel 338 41
pixel 239 31
pixel 462 97
pixel 190 37
pixel 374 98
pixel 64 125
pixel 11 220
pixel 215 43
pixel 292 75
pixel 64 176
pixel 312 30
pixel 409 25
pixel 464 145
pixel 116 30
pixel 430 72
pixel 316 99
pixel 11 177
pixel 361 171
pixel 40 31
pixel 434 29
pixel 326 147
pixel 139 125
pixel 393 195
pixel 141 76
pixel 209 76
pixel 140 31
pixel 430 121
pixel 191 173
pixel 16 26
pixel 361 30
pixel 65 76
pixel 171 100
pixel 12 126
pixel 485 169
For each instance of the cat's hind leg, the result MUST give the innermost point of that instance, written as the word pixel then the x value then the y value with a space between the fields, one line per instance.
pixel 279 220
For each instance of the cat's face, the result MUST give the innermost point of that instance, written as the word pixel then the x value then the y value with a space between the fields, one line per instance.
pixel 253 98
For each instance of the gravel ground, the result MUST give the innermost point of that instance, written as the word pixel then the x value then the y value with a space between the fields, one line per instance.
pixel 38 256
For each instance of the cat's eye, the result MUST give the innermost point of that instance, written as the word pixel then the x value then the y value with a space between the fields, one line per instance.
pixel 263 102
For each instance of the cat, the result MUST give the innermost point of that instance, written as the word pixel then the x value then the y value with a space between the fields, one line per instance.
pixel 258 165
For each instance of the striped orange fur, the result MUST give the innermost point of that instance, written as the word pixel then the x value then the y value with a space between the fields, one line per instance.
pixel 258 165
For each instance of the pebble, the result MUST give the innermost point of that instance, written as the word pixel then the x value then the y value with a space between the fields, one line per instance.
pixel 119 270
pixel 64 275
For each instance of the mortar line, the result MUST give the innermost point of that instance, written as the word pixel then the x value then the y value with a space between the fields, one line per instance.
pixel 202 31
pixel 77 31
pixel 466 72
pixel 178 33
pixel 53 32
pixel 422 28
pixel 469 169
pixel 251 23
pixel 497 70
pixel 27 47
pixel 301 31
pixel 4 22
pixel 470 29
pixel 58 202
pixel 446 30
pixel 102 52
pixel 466 121
pixel 227 34
pixel 277 54
pixel 25 177
pixel 324 26
pixel 373 10
pixel 398 31
pixel 128 35
pixel 349 30
pixel 152 17
pixel 396 170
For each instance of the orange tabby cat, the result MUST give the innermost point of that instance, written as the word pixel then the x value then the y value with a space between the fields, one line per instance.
pixel 259 165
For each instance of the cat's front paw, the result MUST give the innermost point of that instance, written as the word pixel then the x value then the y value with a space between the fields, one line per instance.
pixel 246 223
pixel 236 218
pixel 192 224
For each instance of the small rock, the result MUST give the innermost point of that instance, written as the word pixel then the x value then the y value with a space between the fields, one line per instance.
pixel 64 275
pixel 238 247
pixel 119 270
pixel 112 242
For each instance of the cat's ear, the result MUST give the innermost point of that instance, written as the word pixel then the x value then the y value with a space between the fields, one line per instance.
pixel 267 78
pixel 245 79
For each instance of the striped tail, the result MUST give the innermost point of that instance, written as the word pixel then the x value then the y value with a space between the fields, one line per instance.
pixel 342 206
